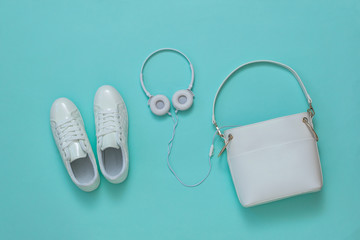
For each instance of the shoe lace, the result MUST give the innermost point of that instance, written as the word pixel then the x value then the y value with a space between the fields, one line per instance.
pixel 69 132
pixel 108 122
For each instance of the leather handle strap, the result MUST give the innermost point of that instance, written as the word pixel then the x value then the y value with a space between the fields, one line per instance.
pixel 262 61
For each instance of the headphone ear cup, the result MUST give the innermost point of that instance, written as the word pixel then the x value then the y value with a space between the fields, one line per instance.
pixel 159 105
pixel 183 99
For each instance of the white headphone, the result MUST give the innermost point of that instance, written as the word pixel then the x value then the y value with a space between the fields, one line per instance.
pixel 181 100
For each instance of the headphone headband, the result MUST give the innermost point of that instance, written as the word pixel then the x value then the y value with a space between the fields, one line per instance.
pixel 161 50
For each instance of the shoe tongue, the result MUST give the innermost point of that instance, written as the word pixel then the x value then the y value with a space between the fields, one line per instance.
pixel 109 141
pixel 76 151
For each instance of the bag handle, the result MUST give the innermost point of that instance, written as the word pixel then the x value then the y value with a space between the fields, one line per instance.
pixel 310 110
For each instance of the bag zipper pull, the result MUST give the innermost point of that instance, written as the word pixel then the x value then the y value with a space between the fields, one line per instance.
pixel 226 143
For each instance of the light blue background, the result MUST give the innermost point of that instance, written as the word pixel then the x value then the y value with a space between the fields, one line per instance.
pixel 67 48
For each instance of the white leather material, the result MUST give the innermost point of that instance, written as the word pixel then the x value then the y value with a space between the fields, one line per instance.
pixel 109 141
pixel 273 159
pixel 183 99
pixel 308 98
pixel 111 119
pixel 159 105
pixel 76 151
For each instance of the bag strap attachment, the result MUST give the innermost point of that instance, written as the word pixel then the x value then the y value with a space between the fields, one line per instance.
pixel 310 109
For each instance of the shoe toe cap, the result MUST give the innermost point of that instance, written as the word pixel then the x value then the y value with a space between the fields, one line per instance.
pixel 107 98
pixel 61 109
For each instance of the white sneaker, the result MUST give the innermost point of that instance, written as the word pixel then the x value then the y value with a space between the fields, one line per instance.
pixel 111 120
pixel 69 133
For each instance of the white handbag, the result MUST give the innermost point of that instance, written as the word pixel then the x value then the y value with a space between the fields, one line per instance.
pixel 274 159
